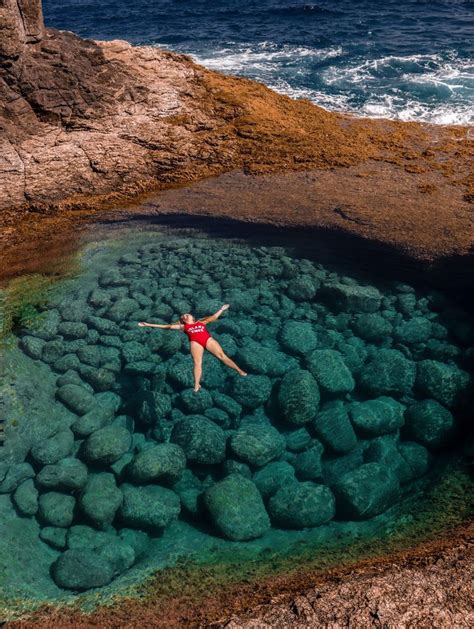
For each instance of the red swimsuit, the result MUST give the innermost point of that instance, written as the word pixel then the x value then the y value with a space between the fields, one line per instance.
pixel 197 331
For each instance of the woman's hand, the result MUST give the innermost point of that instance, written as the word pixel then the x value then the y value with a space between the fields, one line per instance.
pixel 225 307
pixel 143 324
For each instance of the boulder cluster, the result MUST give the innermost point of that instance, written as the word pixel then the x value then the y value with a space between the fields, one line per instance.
pixel 351 390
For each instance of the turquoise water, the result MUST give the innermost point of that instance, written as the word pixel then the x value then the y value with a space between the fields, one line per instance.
pixel 113 467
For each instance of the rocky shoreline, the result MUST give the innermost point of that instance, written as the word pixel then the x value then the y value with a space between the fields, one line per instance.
pixel 86 127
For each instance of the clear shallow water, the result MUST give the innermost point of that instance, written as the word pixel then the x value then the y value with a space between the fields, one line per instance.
pixel 410 60
pixel 113 467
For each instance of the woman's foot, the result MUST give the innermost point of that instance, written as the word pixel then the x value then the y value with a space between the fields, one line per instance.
pixel 242 373
pixel 196 388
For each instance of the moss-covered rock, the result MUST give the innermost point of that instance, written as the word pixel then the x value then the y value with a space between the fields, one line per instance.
pixel 377 417
pixel 366 491
pixel 303 288
pixel 429 423
pixel 297 440
pixel 52 351
pixel 163 463
pixel 106 445
pixel 258 359
pixel 153 406
pixel 389 372
pixel 201 440
pixel 56 509
pixel 54 536
pixel 227 404
pixel 12 475
pixel 257 443
pixel 72 329
pixel 100 499
pixel 236 508
pixel 195 402
pixel 32 346
pixel 330 372
pixel 150 508
pixel 384 450
pixel 67 474
pixel 301 505
pixel 81 570
pixel 416 456
pixel 352 298
pixel 335 466
pixel 298 397
pixel 415 330
pixel 101 415
pixel 445 383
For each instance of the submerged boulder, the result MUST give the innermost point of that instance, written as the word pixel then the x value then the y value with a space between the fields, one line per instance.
pixel 54 448
pixel 298 337
pixel 106 445
pixel 429 423
pixel 12 475
pixel 69 473
pixel 201 439
pixel 162 463
pixel 444 383
pixel 333 426
pixel 150 508
pixel 308 464
pixel 298 397
pixel 388 373
pixel 415 330
pixel 56 509
pixel 257 443
pixel 263 360
pixel 352 298
pixel 251 391
pixel 100 499
pixel 330 372
pixel 301 505
pixel 81 569
pixel 366 491
pixel 272 476
pixel 25 498
pixel 303 288
pixel 377 417
pixel 372 327
pixel 76 398
pixel 236 508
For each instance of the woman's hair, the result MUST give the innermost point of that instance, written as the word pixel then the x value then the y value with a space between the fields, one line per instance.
pixel 181 318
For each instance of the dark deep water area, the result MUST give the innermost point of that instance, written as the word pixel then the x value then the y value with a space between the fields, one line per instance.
pixel 347 431
pixel 405 59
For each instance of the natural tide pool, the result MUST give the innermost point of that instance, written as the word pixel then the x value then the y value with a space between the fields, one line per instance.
pixel 345 429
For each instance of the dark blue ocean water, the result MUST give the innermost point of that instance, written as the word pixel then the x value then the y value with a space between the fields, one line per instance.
pixel 406 59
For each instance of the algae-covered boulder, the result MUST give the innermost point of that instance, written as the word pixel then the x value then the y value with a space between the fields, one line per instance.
pixel 272 476
pixel 377 417
pixel 444 383
pixel 335 466
pixel 195 402
pixel 121 309
pixel 388 373
pixel 180 371
pixel 12 475
pixel 32 346
pixel 162 463
pixel 384 450
pixel 56 509
pixel 81 569
pixel 301 505
pixel 69 473
pixel 54 536
pixel 54 448
pixel 45 325
pixel 429 423
pixel 330 372
pixel 106 445
pixel 227 404
pixel 25 498
pixel 52 351
pixel 303 288
pixel 257 443
pixel 72 329
pixel 416 456
pixel 415 330
pixel 76 398
pixel 308 464
pixel 98 417
pixel 150 508
pixel 352 298
pixel 366 491
pixel 333 426
pixel 100 379
pixel 100 499
pixel 202 441
pixel 153 406
pixel 258 359
pixel 251 391
pixel 372 327
pixel 236 508
pixel 298 397
pixel 297 440
pixel 298 337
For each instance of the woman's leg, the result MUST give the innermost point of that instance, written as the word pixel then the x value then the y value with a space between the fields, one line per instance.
pixel 197 352
pixel 214 347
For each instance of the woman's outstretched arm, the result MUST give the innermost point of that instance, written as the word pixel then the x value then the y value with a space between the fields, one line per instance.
pixel 216 315
pixel 163 326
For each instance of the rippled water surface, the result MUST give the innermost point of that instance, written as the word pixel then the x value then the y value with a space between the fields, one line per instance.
pixel 113 467
pixel 408 59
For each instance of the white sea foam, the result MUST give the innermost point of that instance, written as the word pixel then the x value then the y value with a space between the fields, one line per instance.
pixel 431 88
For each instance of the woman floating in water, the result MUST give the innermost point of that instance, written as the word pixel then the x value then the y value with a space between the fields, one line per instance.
pixel 199 340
